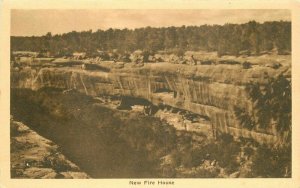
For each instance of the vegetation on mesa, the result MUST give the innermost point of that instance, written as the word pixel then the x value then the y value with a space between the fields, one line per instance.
pixel 230 39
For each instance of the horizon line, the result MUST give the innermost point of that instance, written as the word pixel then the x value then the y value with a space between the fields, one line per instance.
pixel 132 29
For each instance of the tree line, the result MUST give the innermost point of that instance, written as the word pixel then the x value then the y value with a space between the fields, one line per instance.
pixel 231 39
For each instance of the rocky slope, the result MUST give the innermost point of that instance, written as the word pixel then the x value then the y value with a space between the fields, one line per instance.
pixel 212 91
pixel 33 156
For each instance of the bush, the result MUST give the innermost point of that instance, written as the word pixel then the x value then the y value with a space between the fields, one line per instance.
pixel 246 65
pixel 272 162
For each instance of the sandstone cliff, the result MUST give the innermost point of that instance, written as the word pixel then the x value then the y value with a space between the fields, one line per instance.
pixel 209 90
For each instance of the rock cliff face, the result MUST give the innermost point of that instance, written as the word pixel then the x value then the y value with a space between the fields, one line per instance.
pixel 209 90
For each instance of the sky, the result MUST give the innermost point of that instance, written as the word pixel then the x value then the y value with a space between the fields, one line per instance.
pixel 37 22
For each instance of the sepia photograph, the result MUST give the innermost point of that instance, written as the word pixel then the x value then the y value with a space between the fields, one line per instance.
pixel 107 93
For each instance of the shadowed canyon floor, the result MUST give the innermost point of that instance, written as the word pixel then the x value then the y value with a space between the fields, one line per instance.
pixel 106 142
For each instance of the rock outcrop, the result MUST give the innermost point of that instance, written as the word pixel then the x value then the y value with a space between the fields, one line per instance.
pixel 208 90
pixel 33 156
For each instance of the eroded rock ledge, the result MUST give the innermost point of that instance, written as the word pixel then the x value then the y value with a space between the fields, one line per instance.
pixel 33 156
pixel 212 91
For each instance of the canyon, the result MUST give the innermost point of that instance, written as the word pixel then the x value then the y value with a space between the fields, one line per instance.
pixel 125 120
pixel 211 91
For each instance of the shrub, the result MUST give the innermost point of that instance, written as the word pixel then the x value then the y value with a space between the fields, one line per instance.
pixel 272 102
pixel 246 65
